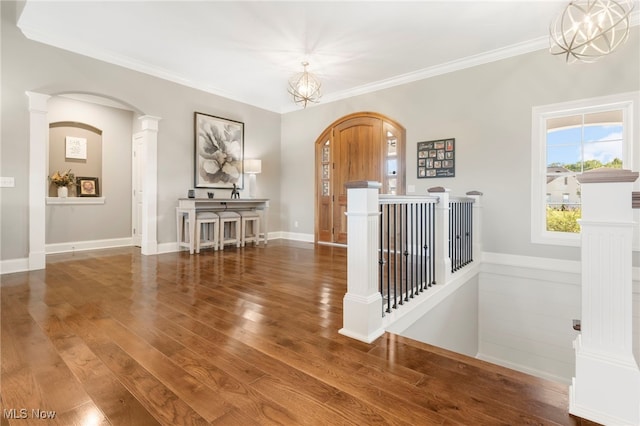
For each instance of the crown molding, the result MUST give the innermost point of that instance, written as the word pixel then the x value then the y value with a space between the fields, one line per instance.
pixel 76 46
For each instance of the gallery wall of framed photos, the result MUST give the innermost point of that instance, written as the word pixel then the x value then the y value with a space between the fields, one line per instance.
pixel 436 158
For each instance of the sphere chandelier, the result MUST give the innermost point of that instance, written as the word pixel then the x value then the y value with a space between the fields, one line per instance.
pixel 590 29
pixel 305 87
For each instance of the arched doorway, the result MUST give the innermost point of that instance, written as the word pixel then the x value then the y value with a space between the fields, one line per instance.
pixel 359 146
pixel 38 185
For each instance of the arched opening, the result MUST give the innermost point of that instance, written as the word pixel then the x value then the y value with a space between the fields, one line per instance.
pixel 40 116
pixel 359 146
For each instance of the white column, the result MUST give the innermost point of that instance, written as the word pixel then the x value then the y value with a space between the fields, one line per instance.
pixel 38 137
pixel 149 126
pixel 606 386
pixel 362 305
pixel 443 261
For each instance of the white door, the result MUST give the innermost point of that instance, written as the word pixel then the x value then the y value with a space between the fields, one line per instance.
pixel 137 185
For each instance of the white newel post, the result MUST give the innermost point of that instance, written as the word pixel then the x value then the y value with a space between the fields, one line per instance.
pixel 606 386
pixel 362 305
pixel 441 251
pixel 476 224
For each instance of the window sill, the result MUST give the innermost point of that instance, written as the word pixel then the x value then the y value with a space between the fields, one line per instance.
pixel 74 200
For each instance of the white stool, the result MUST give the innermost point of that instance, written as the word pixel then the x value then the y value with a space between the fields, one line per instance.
pixel 210 222
pixel 251 217
pixel 182 227
pixel 229 221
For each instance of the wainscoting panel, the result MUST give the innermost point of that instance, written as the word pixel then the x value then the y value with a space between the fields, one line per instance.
pixel 525 313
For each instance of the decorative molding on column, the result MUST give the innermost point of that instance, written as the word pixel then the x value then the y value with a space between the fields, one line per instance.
pixel 150 125
pixel 606 386
pixel 443 261
pixel 38 137
pixel 362 305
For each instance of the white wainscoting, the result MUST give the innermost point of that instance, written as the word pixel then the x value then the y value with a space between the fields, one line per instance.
pixel 525 313
pixel 453 322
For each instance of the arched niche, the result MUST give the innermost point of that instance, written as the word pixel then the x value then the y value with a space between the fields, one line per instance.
pixel 75 147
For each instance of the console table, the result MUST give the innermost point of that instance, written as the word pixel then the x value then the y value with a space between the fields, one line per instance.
pixel 191 205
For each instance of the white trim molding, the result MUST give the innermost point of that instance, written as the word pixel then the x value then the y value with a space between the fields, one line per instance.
pixel 38 137
pixel 74 246
pixel 74 200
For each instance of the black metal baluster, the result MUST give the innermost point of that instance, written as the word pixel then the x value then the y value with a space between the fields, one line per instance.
pixel 413 237
pixel 406 251
pixel 395 259
pixel 381 255
pixel 388 263
pixel 471 232
pixel 400 253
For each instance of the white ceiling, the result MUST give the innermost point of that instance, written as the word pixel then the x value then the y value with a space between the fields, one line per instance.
pixel 247 51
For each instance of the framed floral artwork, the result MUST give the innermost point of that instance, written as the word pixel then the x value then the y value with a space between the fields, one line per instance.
pixel 219 151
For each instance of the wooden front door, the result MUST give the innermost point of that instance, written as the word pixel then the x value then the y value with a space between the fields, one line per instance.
pixel 358 147
pixel 358 156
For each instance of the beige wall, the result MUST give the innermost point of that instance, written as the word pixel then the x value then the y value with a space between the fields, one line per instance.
pixel 23 70
pixel 487 109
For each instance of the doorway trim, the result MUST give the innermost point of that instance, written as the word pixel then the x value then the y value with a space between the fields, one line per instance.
pixel 38 152
pixel 328 134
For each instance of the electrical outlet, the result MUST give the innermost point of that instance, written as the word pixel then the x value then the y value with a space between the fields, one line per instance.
pixel 295 224
pixel 411 189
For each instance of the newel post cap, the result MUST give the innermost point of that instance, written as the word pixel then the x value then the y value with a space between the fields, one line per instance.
pixel 607 175
pixel 363 184
pixel 437 189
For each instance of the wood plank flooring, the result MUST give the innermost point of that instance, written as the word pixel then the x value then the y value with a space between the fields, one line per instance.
pixel 240 337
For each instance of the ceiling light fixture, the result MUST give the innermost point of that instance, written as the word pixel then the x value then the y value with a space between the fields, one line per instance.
pixel 590 29
pixel 304 87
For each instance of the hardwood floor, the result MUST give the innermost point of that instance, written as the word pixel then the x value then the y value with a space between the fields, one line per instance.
pixel 239 337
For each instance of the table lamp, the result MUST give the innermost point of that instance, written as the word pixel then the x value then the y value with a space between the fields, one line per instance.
pixel 252 168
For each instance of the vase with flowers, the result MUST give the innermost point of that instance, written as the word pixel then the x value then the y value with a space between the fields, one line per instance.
pixel 62 181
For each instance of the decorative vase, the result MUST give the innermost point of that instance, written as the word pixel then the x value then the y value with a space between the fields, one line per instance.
pixel 63 191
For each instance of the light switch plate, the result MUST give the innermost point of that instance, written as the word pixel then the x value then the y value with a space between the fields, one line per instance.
pixel 7 182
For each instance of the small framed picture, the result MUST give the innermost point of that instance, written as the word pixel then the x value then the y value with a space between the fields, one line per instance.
pixel 88 187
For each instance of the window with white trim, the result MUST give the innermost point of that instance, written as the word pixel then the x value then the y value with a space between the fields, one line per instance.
pixel 568 139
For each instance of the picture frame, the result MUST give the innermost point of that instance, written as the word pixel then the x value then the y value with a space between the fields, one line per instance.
pixel 440 158
pixel 87 186
pixel 219 152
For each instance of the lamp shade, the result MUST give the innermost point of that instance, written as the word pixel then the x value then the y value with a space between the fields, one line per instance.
pixel 253 166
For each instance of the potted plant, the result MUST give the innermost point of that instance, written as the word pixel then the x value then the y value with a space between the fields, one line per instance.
pixel 62 181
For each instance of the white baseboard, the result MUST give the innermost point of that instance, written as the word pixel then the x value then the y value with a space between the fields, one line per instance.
pixel 278 235
pixel 524 369
pixel 295 236
pixel 87 245
pixel 21 265
pixel 11 266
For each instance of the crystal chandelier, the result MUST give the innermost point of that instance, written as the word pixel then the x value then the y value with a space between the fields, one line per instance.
pixel 589 29
pixel 304 87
